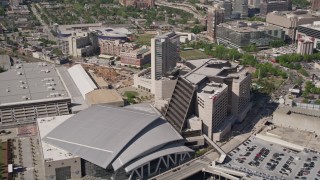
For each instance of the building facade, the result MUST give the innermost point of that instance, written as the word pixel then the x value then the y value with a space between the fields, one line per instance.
pixel 114 48
pixel 140 4
pixel 315 5
pixel 268 6
pixel 213 110
pixel 215 92
pixel 215 16
pixel 164 55
pixel 83 44
pixel 241 6
pixel 239 34
pixel 136 58
pixel 289 21
pixel 310 31
pixel 305 46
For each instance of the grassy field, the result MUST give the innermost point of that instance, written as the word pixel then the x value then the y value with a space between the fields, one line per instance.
pixel 144 39
pixel 192 54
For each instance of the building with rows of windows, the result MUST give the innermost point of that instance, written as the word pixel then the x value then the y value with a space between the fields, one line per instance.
pixel 209 98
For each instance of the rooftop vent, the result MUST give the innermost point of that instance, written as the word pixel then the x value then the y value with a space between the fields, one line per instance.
pixel 50 88
pixel 25 98
pixel 23 87
pixel 213 84
pixel 48 79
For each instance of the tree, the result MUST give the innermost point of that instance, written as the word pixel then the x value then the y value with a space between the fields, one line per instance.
pixel 234 54
pixel 299 81
pixel 251 48
pixel 301 3
pixel 196 29
pixel 2 11
pixel 303 72
pixel 248 59
pixel 277 43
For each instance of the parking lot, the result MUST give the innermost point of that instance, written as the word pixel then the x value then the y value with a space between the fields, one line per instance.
pixel 262 160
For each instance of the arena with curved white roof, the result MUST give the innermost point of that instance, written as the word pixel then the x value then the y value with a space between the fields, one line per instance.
pixel 120 142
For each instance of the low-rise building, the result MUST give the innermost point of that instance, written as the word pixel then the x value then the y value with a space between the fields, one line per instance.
pixel 136 58
pixel 310 31
pixel 305 46
pixel 58 163
pixel 268 6
pixel 297 118
pixel 19 10
pixel 104 97
pixel 114 48
pixel 139 4
pixel 290 20
pixel 83 44
pixel 239 34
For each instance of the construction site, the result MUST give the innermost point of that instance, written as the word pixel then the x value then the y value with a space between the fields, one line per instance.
pixel 109 77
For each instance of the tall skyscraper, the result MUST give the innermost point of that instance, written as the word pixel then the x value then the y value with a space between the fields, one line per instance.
pixel 164 54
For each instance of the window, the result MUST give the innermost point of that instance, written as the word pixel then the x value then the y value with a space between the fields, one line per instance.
pixel 63 173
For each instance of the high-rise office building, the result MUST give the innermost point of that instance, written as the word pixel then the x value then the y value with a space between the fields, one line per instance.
pixel 215 16
pixel 164 55
pixel 241 6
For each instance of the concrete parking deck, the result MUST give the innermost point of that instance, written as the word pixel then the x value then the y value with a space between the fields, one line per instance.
pixel 241 158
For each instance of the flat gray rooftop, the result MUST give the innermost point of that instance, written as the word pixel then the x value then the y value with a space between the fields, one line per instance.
pixel 29 82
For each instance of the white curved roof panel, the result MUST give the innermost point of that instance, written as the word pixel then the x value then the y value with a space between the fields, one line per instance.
pixel 155 136
pixel 171 149
pixel 82 79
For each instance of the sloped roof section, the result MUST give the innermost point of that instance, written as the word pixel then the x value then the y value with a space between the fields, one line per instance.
pixel 99 133
pixel 152 138
pixel 82 79
pixel 170 149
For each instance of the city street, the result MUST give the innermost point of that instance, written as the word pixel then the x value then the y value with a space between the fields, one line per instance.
pixel 46 28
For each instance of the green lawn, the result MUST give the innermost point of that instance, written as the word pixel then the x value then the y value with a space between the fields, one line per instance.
pixel 144 39
pixel 192 54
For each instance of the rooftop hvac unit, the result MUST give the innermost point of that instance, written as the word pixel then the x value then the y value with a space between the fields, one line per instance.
pixel 51 84
pixel 19 73
pixel 23 87
pixel 21 82
pixel 48 79
pixel 18 66
pixel 50 88
pixel 25 98
pixel 8 90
